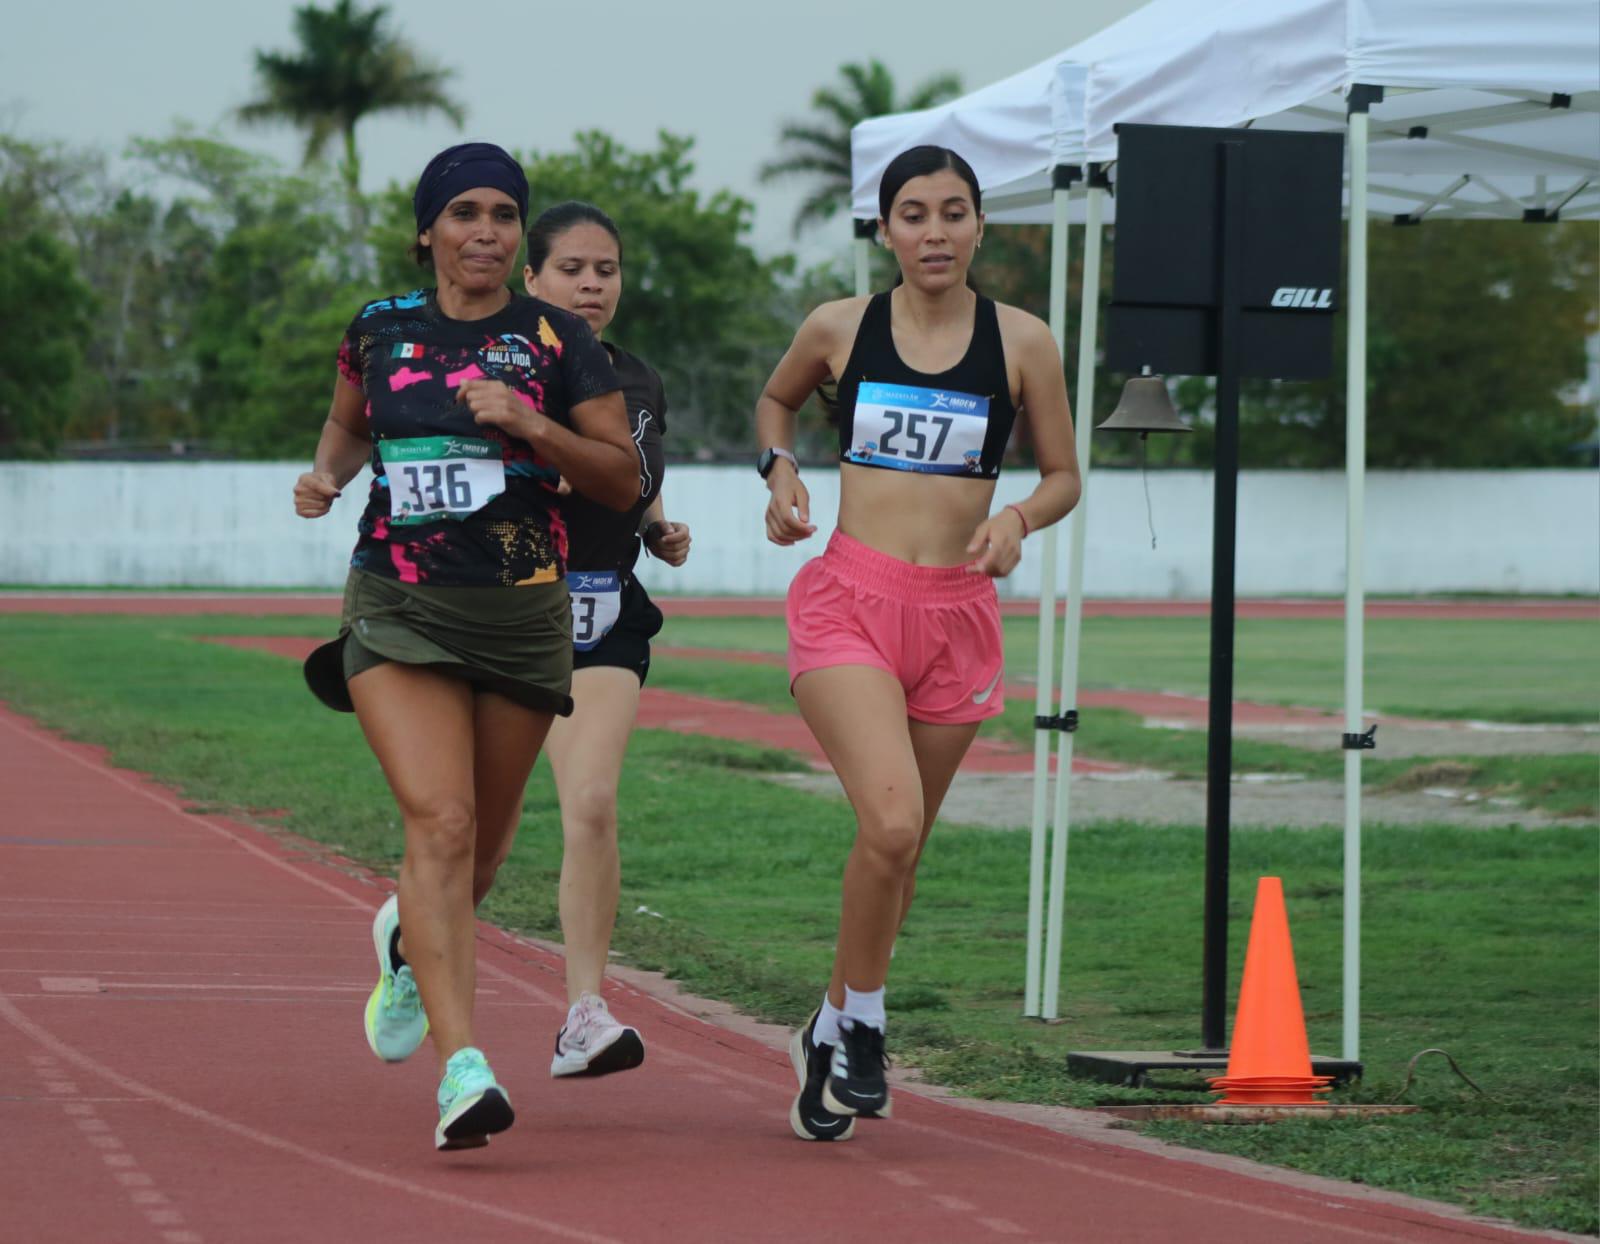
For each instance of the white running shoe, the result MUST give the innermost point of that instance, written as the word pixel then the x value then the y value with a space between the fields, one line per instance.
pixel 591 1043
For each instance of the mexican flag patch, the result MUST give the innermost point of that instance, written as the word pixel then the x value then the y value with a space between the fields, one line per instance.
pixel 406 350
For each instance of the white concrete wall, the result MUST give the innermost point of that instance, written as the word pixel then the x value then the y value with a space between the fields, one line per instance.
pixel 233 525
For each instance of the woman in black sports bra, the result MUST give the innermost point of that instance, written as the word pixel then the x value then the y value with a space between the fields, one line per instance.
pixel 894 632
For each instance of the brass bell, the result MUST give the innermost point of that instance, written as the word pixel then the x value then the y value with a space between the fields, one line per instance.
pixel 1145 407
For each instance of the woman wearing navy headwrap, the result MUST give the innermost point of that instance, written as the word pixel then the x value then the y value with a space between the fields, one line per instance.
pixel 455 647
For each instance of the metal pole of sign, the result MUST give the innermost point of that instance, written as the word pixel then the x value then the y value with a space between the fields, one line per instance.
pixel 1048 552
pixel 1088 328
pixel 1354 586
pixel 865 231
pixel 1224 512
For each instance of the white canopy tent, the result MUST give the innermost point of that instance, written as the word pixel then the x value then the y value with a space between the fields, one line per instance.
pixel 1470 109
pixel 1009 131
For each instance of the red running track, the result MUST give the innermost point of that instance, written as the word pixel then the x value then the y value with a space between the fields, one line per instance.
pixel 180 1002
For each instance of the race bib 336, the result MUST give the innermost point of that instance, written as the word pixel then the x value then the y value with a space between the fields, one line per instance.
pixel 434 477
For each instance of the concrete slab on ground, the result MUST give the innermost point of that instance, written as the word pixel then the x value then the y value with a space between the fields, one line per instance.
pixel 1005 801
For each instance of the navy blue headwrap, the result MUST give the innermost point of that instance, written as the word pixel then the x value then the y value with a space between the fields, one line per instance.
pixel 464 167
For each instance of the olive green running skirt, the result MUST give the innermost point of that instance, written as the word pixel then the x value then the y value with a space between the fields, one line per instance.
pixel 515 641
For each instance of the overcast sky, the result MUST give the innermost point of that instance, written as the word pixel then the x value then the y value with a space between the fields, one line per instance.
pixel 531 73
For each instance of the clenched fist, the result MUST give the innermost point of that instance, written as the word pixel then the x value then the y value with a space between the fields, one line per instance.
pixel 494 403
pixel 314 494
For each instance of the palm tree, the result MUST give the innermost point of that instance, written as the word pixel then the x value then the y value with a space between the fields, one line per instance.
pixel 822 147
pixel 348 66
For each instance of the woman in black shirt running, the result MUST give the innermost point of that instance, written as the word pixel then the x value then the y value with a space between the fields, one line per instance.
pixel 575 261
pixel 455 649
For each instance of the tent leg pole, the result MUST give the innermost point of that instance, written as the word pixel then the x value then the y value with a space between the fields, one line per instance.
pixel 1088 326
pixel 862 249
pixel 1355 584
pixel 1045 667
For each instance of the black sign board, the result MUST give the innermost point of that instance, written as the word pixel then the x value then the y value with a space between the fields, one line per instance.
pixel 1227 263
pixel 1167 283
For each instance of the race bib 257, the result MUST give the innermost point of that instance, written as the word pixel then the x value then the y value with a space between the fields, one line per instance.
pixel 909 428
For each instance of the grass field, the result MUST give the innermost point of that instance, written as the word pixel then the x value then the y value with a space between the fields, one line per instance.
pixel 1553 677
pixel 1482 942
pixel 1499 670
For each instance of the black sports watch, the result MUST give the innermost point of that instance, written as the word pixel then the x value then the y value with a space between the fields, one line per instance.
pixel 769 458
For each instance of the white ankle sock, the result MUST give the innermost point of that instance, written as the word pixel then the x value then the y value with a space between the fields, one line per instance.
pixel 826 1031
pixel 865 1007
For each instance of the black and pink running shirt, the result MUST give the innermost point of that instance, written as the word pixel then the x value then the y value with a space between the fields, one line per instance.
pixel 455 503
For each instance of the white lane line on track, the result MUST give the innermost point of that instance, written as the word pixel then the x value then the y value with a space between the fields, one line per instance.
pixel 69 984
pixel 173 902
pixel 177 809
pixel 158 993
pixel 43 1037
pixel 78 919
pixel 1090 1173
pixel 107 847
pixel 152 934
pixel 167 955
pixel 197 973
pixel 155 1207
pixel 1222 1201
pixel 211 988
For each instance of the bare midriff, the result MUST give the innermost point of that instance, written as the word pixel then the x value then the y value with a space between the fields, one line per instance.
pixel 926 520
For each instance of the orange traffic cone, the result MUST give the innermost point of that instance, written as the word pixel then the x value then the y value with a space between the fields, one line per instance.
pixel 1269 1062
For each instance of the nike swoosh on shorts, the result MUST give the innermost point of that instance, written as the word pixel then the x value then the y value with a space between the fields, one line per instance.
pixel 979 697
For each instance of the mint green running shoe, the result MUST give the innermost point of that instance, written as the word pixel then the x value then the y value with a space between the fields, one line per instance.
pixel 472 1105
pixel 395 1020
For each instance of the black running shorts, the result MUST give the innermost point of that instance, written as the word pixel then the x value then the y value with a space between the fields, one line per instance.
pixel 627 644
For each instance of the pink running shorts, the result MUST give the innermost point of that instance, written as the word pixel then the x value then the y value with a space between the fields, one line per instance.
pixel 934 628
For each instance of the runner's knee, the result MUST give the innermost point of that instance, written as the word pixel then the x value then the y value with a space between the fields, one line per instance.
pixel 443 830
pixel 589 815
pixel 889 837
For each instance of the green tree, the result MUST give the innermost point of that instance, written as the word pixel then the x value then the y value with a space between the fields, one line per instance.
pixel 698 303
pixel 819 148
pixel 194 296
pixel 117 239
pixel 349 65
pixel 259 320
pixel 45 319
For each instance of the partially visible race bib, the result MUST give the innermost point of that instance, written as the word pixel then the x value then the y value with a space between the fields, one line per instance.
pixel 434 477
pixel 914 429
pixel 596 605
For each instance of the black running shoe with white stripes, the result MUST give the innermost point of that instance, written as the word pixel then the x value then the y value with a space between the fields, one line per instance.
pixel 855 1083
pixel 809 1118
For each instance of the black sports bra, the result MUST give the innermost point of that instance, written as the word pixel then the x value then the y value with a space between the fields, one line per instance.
pixel 954 423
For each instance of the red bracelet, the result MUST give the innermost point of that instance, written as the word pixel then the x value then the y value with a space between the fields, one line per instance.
pixel 1026 530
